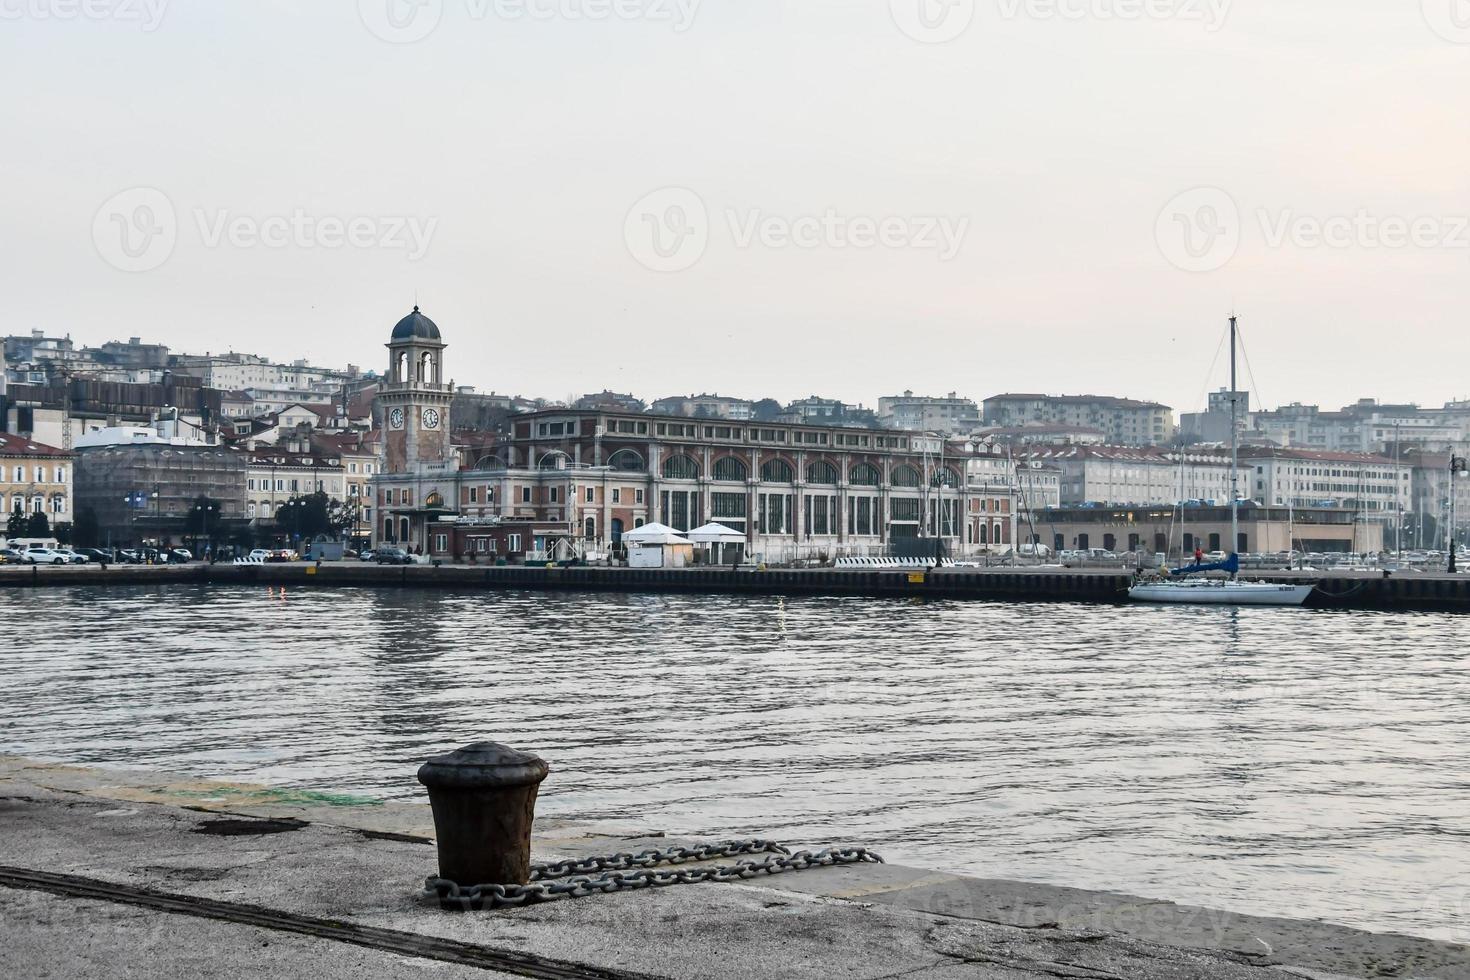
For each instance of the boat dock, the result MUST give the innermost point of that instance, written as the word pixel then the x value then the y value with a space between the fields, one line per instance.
pixel 1348 589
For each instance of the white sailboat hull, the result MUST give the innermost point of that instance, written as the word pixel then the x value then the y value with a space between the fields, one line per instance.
pixel 1221 593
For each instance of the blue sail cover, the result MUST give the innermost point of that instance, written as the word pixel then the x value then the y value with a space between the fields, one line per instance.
pixel 1231 565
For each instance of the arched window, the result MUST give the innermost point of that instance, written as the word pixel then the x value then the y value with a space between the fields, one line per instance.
pixel 984 533
pixel 730 469
pixel 434 500
pixel 946 477
pixel 905 476
pixel 627 461
pixel 864 475
pixel 490 463
pixel 554 461
pixel 681 468
pixel 387 528
pixel 590 528
pixel 821 472
pixel 777 471
pixel 400 373
pixel 426 368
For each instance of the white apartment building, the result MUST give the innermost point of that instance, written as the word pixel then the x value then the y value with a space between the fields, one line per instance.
pixel 920 413
pixel 1134 475
pixel 1126 421
pixel 1375 486
pixel 275 474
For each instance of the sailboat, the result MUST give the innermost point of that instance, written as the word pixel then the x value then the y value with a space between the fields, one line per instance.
pixel 1182 587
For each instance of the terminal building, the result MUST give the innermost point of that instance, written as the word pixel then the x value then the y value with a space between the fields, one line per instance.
pixel 565 481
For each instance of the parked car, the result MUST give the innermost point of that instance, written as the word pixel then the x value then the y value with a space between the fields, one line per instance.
pixel 72 555
pixel 283 554
pixel 45 556
pixel 259 554
pixel 367 556
pixel 392 556
pixel 98 555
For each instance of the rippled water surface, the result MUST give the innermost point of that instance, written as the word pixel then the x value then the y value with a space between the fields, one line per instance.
pixel 1271 761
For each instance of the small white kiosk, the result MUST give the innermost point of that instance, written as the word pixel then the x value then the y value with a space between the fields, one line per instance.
pixel 658 546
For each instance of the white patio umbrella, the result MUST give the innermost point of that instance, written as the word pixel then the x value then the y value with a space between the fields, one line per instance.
pixel 715 534
pixel 654 534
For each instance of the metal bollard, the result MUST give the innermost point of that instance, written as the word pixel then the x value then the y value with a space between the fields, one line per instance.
pixel 484 800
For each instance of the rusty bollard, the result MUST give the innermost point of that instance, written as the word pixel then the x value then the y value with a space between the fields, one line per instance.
pixel 484 799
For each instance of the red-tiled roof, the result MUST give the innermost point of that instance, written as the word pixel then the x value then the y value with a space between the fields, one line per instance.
pixel 18 446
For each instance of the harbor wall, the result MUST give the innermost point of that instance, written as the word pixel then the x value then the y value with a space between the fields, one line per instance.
pixel 1353 590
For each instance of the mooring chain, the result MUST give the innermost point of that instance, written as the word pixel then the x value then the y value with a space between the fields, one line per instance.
pixel 543 889
pixel 650 859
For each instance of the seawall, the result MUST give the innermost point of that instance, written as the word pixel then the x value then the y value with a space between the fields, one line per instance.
pixel 1344 590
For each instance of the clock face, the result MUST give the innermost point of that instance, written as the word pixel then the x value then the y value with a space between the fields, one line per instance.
pixel 431 418
pixel 395 418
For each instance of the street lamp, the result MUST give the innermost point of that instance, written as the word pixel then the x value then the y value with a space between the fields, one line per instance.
pixel 1458 466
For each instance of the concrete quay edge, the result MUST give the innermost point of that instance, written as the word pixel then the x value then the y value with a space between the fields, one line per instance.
pixel 134 828
pixel 1343 590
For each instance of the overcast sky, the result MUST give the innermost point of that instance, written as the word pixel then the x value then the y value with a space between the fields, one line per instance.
pixel 843 197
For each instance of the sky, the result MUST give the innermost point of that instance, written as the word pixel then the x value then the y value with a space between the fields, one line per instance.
pixel 756 197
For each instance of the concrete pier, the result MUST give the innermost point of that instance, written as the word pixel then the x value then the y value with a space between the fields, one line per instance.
pixel 1343 590
pixel 108 873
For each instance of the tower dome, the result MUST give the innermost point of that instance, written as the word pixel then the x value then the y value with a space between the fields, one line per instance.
pixel 416 326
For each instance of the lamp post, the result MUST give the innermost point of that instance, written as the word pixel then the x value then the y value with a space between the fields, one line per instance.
pixel 1458 466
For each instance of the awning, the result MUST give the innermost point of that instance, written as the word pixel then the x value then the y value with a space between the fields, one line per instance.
pixel 715 534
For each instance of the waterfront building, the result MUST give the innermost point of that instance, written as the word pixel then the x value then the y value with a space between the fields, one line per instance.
pixel 277 474
pixel 142 484
pixel 1026 435
pixel 584 478
pixel 1138 475
pixel 1126 421
pixel 609 401
pixel 1178 531
pixel 921 413
pixel 1374 487
pixel 35 479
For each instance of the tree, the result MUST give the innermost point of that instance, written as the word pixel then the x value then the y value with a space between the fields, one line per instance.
pixel 202 521
pixel 311 515
pixel 17 525
pixel 86 531
pixel 38 526
pixel 767 410
pixel 63 532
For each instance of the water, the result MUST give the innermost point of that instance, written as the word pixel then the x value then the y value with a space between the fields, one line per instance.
pixel 1271 761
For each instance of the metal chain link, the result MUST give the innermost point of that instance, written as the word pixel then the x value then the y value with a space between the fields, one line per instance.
pixel 615 877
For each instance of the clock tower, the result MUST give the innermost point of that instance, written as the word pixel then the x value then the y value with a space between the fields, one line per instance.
pixel 415 399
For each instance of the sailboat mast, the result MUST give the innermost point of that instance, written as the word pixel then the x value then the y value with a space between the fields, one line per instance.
pixel 1234 451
